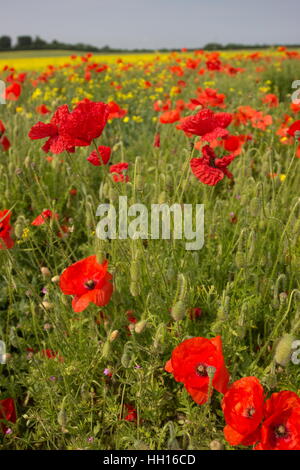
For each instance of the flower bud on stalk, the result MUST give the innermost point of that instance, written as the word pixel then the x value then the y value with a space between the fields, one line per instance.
pixel 45 272
pixel 216 445
pixel 106 350
pixel 19 226
pixel 284 350
pixel 179 309
pixel 140 326
pixel 113 336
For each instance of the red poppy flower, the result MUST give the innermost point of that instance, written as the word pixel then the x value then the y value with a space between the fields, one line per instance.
pixel 88 281
pixel 207 124
pixel 156 140
pixel 208 97
pixel 85 123
pixel 118 167
pixel 195 312
pixel 105 153
pixel 42 109
pixel 115 111
pixel 232 143
pixel 209 169
pixel 132 414
pixel 294 130
pixel 189 363
pixel 121 178
pixel 271 100
pixel 41 219
pixel 281 427
pixel 69 130
pixel 6 242
pixel 168 117
pixel 2 128
pixel 56 141
pixel 243 406
pixel 51 354
pixel 5 143
pixel 13 91
pixel 7 412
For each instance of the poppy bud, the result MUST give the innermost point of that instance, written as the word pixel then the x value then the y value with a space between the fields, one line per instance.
pixel 284 349
pixel 240 260
pixel 216 445
pixel 170 274
pixel 223 311
pixel 55 279
pixel 62 416
pixel 169 183
pixel 283 297
pixel 126 357
pixel 135 271
pixel 140 326
pixel 159 336
pixel 105 190
pixel 27 162
pixel 19 226
pixel 182 286
pixel 106 350
pixel 178 311
pixel 114 334
pixel 139 182
pixel 138 166
pixel 112 194
pixel 280 284
pixel 255 206
pixel 162 198
pixel 135 289
pixel 45 272
pixel 47 305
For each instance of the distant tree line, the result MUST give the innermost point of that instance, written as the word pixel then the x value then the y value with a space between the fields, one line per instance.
pixel 37 43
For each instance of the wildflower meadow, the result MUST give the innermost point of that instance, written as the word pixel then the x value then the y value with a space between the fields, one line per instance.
pixel 128 330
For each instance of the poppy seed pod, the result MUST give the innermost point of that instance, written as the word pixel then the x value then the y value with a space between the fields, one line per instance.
pixel 211 371
pixel 284 349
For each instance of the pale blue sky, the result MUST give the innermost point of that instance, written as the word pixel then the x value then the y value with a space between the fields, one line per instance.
pixel 153 23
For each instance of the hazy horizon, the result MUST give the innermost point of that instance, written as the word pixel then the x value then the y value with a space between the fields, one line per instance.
pixel 158 24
